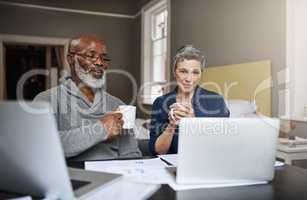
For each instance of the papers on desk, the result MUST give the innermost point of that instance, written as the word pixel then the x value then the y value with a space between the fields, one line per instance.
pixel 145 170
pixel 153 171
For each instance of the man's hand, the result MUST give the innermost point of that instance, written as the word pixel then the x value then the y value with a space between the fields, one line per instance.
pixel 113 123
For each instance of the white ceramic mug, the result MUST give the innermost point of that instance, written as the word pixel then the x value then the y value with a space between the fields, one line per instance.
pixel 172 110
pixel 129 114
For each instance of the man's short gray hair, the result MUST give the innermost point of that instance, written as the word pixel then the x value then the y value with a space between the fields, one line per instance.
pixel 188 52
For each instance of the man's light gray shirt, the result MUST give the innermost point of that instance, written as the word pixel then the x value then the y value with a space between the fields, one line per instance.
pixel 82 134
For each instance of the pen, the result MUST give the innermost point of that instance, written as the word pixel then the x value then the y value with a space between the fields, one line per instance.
pixel 168 163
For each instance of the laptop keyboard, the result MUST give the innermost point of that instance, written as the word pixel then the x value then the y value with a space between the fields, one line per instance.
pixel 76 184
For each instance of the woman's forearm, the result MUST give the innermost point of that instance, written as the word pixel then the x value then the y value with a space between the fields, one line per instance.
pixel 164 141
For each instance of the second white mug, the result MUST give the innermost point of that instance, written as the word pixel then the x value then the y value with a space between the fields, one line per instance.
pixel 129 114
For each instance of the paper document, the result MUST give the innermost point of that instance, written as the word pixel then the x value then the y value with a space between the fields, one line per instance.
pixel 144 170
pixel 99 165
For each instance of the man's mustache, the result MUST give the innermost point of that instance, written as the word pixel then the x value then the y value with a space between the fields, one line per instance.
pixel 95 67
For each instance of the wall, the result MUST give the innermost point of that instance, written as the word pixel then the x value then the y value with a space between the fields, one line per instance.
pixel 300 130
pixel 119 33
pixel 232 32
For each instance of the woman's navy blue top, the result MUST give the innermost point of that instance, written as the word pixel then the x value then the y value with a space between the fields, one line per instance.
pixel 205 104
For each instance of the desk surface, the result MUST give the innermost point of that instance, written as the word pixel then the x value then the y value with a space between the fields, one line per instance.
pixel 289 183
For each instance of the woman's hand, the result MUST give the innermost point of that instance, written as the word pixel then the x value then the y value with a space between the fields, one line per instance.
pixel 178 111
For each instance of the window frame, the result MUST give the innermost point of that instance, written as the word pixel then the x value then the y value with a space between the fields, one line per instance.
pixel 295 81
pixel 147 12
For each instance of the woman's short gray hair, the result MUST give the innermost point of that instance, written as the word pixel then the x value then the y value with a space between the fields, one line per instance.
pixel 188 52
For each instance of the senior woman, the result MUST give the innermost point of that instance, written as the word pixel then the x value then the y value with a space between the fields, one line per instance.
pixel 187 100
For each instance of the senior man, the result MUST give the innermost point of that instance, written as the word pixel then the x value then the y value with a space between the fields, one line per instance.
pixel 88 124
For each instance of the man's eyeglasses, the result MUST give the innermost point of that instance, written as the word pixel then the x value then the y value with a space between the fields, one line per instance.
pixel 93 57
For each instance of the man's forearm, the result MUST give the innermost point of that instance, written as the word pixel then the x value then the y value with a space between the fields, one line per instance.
pixel 77 140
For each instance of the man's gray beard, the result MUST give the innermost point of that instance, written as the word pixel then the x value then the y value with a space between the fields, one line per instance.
pixel 87 78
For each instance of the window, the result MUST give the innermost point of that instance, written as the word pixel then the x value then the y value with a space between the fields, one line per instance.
pixel 296 96
pixel 155 49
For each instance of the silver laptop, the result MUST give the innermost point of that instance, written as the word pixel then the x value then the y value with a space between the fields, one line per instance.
pixel 32 159
pixel 226 150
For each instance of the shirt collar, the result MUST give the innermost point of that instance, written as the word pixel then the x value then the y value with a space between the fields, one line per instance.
pixel 71 88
